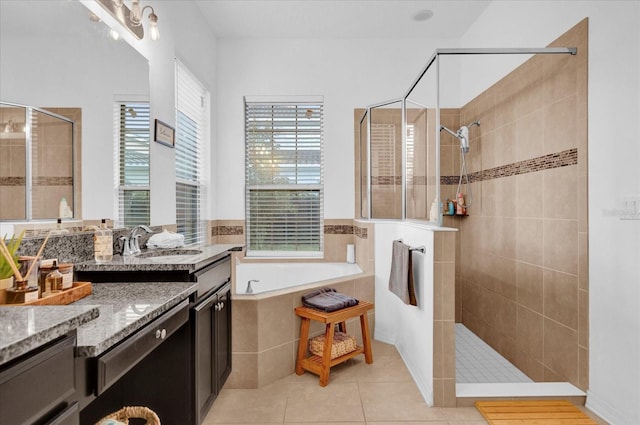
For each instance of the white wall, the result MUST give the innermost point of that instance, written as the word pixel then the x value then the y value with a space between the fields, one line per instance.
pixel 409 328
pixel 186 36
pixel 348 73
pixel 614 153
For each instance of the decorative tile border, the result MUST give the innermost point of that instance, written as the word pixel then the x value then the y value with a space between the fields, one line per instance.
pixel 360 232
pixel 227 231
pixel 37 181
pixel 546 162
pixel 331 229
pixel 386 180
pixel 53 181
pixel 12 181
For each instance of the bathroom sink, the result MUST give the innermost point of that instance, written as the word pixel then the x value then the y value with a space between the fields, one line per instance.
pixel 168 254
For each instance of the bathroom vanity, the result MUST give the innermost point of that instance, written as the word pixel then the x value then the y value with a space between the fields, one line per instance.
pixel 164 345
pixel 209 313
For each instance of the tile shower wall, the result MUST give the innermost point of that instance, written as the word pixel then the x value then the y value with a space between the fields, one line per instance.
pixel 521 266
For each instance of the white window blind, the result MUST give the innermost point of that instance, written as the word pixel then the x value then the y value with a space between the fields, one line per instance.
pixel 132 162
pixel 383 144
pixel 192 122
pixel 284 178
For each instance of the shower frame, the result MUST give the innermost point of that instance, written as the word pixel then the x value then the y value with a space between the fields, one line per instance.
pixel 434 59
pixel 29 112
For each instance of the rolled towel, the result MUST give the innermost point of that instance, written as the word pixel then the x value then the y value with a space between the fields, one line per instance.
pixel 166 239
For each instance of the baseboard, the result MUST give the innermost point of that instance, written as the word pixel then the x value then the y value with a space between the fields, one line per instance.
pixel 605 410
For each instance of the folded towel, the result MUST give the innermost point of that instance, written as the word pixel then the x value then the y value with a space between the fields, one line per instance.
pixel 327 299
pixel 401 276
pixel 165 239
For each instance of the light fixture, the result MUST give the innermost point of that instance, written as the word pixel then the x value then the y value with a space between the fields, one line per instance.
pixel 131 19
pixel 136 18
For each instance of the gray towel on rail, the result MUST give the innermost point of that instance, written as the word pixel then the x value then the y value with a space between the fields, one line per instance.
pixel 327 299
pixel 401 276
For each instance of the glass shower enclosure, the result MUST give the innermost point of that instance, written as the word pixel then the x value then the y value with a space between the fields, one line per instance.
pixel 37 163
pixel 399 146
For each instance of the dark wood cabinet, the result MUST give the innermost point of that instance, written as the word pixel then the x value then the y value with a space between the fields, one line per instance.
pixel 223 337
pixel 37 388
pixel 211 320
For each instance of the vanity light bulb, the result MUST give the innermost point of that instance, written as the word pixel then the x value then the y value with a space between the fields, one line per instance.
pixel 115 35
pixel 153 27
pixel 155 33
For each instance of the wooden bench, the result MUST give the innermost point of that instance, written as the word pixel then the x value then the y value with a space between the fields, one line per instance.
pixel 321 366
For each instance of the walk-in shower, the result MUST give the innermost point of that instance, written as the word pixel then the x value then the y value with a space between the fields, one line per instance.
pixel 512 137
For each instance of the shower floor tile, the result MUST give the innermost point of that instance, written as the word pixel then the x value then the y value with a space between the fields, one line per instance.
pixel 477 362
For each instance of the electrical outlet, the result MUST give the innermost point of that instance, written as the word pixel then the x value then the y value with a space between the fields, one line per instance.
pixel 631 208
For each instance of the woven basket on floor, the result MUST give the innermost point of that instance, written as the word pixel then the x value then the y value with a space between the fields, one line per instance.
pixel 342 344
pixel 133 412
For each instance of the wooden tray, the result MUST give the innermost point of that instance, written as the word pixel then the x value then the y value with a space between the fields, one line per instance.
pixel 77 291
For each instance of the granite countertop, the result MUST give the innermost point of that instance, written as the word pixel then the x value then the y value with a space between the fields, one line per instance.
pixel 23 328
pixel 113 311
pixel 162 259
pixel 125 308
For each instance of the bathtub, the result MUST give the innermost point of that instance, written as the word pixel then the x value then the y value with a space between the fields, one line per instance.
pixel 265 327
pixel 281 278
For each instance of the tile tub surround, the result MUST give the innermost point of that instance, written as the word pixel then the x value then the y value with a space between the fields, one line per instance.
pixel 266 332
pixel 521 266
pixel 23 329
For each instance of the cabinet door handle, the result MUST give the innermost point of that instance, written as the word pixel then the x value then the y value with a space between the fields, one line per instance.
pixel 221 305
pixel 161 334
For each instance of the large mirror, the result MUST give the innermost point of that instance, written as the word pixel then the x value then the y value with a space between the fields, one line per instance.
pixel 54 57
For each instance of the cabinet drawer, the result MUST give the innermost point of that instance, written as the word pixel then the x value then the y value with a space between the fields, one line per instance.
pixel 33 388
pixel 69 416
pixel 119 360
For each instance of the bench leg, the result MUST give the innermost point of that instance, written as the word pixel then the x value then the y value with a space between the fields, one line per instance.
pixel 326 355
pixel 342 326
pixel 302 344
pixel 366 339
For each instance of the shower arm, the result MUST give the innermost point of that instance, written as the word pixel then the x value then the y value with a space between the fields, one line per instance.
pixel 442 127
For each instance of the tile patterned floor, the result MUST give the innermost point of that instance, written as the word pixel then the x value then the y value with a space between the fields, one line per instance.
pixel 477 362
pixel 382 393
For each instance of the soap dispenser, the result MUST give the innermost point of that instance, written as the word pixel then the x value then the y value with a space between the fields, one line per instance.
pixel 53 281
pixel 103 243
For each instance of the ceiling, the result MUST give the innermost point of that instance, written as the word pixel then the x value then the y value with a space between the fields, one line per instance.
pixel 339 18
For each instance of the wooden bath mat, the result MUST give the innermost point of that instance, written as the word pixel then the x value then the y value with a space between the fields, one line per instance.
pixel 533 412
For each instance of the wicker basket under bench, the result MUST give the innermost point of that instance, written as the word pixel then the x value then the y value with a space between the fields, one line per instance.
pixel 321 365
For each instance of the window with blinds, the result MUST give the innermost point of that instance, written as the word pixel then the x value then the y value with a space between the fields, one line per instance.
pixel 284 178
pixel 132 176
pixel 192 112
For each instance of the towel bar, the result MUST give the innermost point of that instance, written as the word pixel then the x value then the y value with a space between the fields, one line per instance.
pixel 417 248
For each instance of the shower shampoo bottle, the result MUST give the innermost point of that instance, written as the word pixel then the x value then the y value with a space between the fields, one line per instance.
pixel 460 210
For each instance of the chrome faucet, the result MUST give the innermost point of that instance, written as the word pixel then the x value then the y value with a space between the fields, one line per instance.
pixel 249 289
pixel 131 244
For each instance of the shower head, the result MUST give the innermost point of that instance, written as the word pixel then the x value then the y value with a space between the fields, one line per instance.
pixel 463 136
